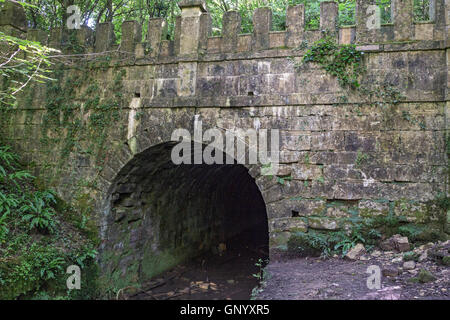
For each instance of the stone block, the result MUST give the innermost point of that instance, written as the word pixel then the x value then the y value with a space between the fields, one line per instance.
pixel 262 24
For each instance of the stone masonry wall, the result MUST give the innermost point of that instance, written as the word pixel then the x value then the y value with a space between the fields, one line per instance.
pixel 341 156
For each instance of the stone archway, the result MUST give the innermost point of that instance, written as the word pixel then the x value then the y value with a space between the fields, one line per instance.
pixel 160 214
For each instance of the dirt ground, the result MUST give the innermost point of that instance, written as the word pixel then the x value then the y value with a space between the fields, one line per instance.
pixel 230 277
pixel 339 279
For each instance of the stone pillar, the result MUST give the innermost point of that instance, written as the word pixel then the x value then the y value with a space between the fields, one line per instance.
pixel 176 39
pixel 366 23
pixel 157 31
pixel 432 10
pixel 231 27
pixel 402 14
pixel 262 23
pixel 295 25
pixel 329 17
pixel 131 35
pixel 193 29
pixel 437 15
pixel 55 38
pixel 190 30
pixel 205 31
pixel 104 37
pixel 86 35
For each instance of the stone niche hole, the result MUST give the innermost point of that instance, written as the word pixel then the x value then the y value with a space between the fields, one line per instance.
pixel 204 227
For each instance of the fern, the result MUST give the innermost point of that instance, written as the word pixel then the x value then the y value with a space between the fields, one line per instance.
pixel 38 213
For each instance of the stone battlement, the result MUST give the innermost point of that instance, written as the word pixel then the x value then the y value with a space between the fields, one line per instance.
pixel 193 38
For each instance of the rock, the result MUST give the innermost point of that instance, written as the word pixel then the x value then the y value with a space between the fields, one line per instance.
pixel 389 272
pixel 409 265
pixel 440 253
pixel 387 245
pixel 397 243
pixel 375 253
pixel 356 252
pixel 402 244
pixel 397 260
pixel 423 256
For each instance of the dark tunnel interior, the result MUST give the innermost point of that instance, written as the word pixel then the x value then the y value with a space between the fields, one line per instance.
pixel 163 215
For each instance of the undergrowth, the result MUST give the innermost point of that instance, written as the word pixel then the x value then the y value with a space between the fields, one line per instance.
pixel 37 243
pixel 369 232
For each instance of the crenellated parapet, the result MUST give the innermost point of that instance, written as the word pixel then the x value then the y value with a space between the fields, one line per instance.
pixel 193 30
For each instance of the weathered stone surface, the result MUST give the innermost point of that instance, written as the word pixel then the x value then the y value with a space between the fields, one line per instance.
pixel 104 37
pixel 396 242
pixel 356 252
pixel 329 16
pixel 288 224
pixel 231 29
pixel 366 29
pixel 12 14
pixel 262 23
pixel 402 11
pixel 295 25
pixel 409 265
pixel 131 35
pixel 323 223
pixel 390 272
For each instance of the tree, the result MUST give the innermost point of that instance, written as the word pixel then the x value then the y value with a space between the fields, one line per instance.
pixel 21 62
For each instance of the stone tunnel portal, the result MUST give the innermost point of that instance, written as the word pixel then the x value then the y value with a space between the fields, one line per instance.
pixel 162 214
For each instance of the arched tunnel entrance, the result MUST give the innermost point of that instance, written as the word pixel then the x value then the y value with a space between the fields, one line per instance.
pixel 195 231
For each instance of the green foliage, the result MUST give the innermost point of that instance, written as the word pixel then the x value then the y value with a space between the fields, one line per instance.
pixel 324 244
pixel 33 252
pixel 346 64
pixel 411 256
pixel 260 264
pixel 262 275
pixel 361 158
pixel 308 244
pixel 97 115
pixel 21 62
pixel 424 276
pixel 282 180
pixel 46 14
pixel 443 202
pixel 37 211
pixel 422 10
pixel 341 61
